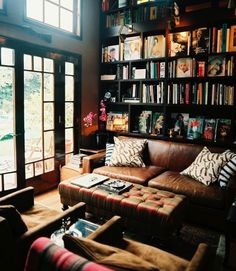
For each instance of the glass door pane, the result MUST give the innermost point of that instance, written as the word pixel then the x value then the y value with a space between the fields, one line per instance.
pixel 8 177
pixel 69 110
pixel 39 115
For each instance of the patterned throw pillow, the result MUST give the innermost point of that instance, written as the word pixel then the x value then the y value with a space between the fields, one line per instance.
pixel 228 170
pixel 128 153
pixel 109 150
pixel 206 167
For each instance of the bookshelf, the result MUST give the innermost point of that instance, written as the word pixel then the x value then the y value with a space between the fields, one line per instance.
pixel 173 77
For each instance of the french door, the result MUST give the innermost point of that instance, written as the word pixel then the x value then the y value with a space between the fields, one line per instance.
pixel 39 113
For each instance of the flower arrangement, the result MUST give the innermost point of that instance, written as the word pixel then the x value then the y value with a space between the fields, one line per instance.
pixel 88 120
pixel 103 115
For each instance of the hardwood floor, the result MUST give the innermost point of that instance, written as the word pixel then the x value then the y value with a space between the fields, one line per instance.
pixel 50 199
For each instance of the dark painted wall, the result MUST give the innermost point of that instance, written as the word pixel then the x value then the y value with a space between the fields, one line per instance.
pixel 87 47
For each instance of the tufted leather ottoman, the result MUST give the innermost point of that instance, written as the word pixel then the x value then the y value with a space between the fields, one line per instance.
pixel 144 209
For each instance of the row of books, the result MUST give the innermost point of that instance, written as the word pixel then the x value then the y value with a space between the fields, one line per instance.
pixel 215 65
pixel 153 93
pixel 201 93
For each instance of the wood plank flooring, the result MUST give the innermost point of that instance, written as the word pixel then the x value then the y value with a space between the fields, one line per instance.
pixel 50 199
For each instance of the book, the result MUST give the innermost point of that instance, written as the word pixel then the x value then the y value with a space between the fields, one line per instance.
pixel 223 130
pixel 216 65
pixel 232 39
pixel 209 129
pixel 155 46
pixel 132 48
pixel 89 180
pixel 179 123
pixel 179 43
pixel 195 128
pixel 157 123
pixel 200 40
pixel 184 67
pixel 145 121
pixel 122 3
pixel 113 53
pixel 117 121
pixel 116 186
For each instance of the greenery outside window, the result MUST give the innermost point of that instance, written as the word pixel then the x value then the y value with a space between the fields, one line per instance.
pixel 62 14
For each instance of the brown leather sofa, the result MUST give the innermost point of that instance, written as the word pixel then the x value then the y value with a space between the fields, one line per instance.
pixel 164 160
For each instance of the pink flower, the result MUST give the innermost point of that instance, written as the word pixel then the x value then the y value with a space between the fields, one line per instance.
pixel 88 120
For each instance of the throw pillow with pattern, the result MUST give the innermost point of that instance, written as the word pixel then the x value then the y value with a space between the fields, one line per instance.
pixel 128 153
pixel 207 165
pixel 109 150
pixel 228 170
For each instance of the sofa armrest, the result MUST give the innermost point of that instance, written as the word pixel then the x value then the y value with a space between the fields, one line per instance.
pixel 93 161
pixel 199 259
pixel 22 199
pixel 110 233
pixel 46 229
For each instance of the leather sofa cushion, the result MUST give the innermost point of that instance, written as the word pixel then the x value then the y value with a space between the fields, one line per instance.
pixel 209 196
pixel 132 174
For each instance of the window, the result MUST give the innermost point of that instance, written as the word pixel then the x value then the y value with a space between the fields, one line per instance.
pixel 62 14
pixel 2 6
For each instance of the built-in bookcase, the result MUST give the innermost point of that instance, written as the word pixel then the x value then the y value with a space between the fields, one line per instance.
pixel 169 81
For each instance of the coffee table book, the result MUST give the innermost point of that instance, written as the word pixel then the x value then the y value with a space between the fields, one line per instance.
pixel 89 180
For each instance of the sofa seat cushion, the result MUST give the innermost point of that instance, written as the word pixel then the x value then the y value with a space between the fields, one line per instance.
pixel 131 174
pixel 38 213
pixel 210 196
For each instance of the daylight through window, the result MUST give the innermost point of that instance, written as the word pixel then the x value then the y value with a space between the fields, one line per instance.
pixel 62 14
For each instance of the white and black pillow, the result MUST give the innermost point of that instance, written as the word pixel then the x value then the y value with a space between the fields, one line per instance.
pixel 128 153
pixel 109 150
pixel 207 165
pixel 228 171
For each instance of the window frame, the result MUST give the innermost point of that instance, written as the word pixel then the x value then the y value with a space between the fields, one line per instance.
pixel 75 18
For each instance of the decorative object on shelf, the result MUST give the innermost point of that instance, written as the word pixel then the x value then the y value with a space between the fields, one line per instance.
pixel 195 128
pixel 88 120
pixel 103 115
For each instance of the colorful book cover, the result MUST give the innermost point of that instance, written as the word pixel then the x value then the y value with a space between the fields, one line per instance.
pixel 184 67
pixel 132 48
pixel 156 46
pixel 145 121
pixel 223 130
pixel 209 129
pixel 179 43
pixel 200 40
pixel 180 123
pixel 157 123
pixel 117 121
pixel 113 53
pixel 195 128
pixel 216 65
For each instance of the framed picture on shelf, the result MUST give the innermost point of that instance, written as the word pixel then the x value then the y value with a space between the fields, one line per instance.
pixel 155 46
pixel 179 43
pixel 179 124
pixel 223 130
pixel 195 128
pixel 117 121
pixel 145 122
pixel 184 67
pixel 200 40
pixel 113 53
pixel 157 123
pixel 216 65
pixel 132 48
pixel 232 39
pixel 209 129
